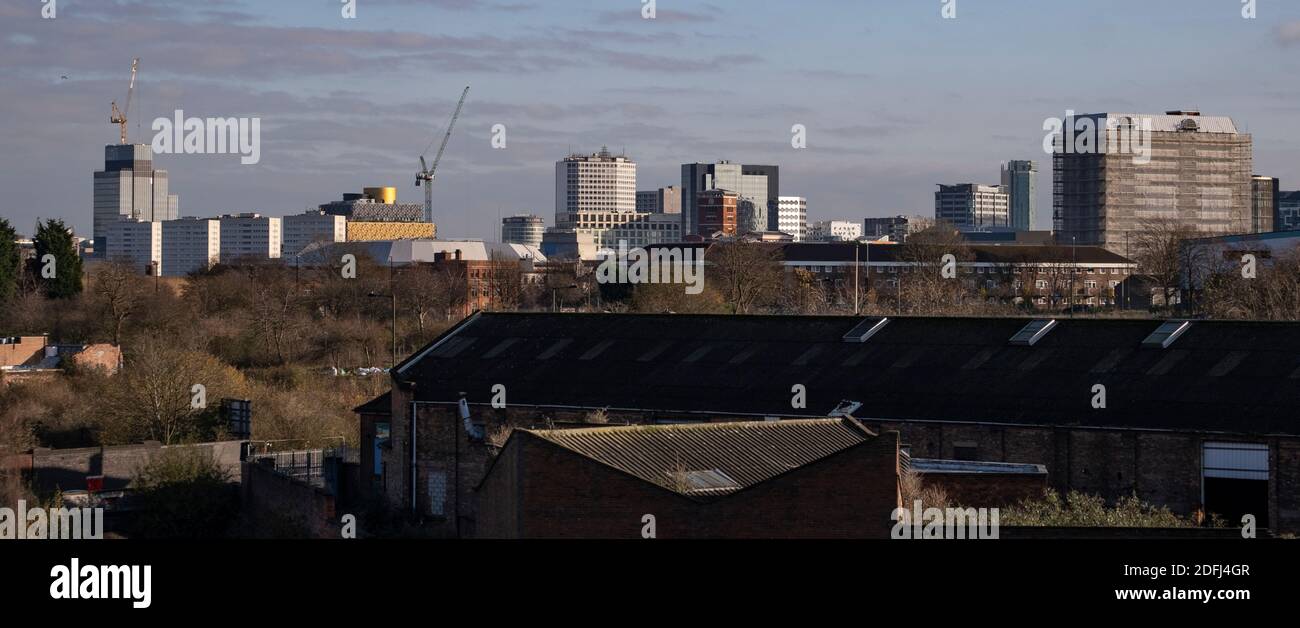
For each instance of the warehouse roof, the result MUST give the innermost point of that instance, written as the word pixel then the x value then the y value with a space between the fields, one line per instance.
pixel 708 460
pixel 1223 376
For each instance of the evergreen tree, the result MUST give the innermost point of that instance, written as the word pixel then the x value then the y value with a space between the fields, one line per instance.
pixel 10 261
pixel 62 279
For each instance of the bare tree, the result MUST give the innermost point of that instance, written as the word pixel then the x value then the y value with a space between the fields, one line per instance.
pixel 118 290
pixel 748 276
pixel 1157 248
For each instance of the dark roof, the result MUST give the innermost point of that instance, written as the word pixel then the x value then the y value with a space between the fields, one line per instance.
pixel 934 465
pixel 706 460
pixel 984 253
pixel 1217 376
pixel 383 404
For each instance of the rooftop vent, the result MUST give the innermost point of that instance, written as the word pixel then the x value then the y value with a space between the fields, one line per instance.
pixel 1033 332
pixel 1166 334
pixel 866 329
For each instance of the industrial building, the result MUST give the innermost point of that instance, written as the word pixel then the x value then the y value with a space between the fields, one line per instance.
pixel 1183 414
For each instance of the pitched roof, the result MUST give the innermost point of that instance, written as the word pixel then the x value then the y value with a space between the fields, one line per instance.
pixel 383 404
pixel 1221 376
pixel 709 460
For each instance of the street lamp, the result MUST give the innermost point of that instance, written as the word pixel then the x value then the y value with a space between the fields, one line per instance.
pixel 392 294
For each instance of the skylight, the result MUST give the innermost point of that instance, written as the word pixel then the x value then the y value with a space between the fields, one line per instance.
pixel 866 329
pixel 1033 332
pixel 1166 334
pixel 702 482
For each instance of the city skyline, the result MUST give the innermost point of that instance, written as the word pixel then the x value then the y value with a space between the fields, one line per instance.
pixel 345 106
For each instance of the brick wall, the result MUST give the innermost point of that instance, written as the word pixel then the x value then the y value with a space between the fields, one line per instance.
pixel 280 506
pixel 987 490
pixel 538 490
pixel 1162 468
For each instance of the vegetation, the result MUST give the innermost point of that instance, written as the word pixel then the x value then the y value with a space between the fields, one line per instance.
pixel 1080 510
pixel 183 494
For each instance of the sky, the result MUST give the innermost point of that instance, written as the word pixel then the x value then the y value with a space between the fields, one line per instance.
pixel 894 97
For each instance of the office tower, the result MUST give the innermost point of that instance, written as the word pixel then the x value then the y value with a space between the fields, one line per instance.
pixel 600 182
pixel 972 207
pixel 1189 168
pixel 135 242
pixel 1020 180
pixel 717 212
pixel 526 229
pixel 835 231
pixel 1264 194
pixel 129 188
pixel 1288 212
pixel 792 217
pixel 190 245
pixel 251 236
pixel 303 229
pixel 896 228
pixel 661 201
pixel 758 190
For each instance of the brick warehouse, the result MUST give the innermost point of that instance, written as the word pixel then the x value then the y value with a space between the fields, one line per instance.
pixel 1198 413
pixel 810 478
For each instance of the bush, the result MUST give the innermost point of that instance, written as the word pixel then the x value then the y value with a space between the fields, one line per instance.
pixel 183 494
pixel 1081 510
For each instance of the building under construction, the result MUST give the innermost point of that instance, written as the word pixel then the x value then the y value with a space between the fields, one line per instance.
pixel 1180 166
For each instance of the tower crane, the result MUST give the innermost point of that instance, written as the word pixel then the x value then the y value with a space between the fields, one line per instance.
pixel 119 116
pixel 426 173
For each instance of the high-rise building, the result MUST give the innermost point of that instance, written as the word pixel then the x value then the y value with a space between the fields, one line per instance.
pixel 1020 180
pixel 251 236
pixel 661 201
pixel 834 231
pixel 313 226
pixel 972 207
pixel 758 190
pixel 896 228
pixel 135 242
pixel 601 182
pixel 129 188
pixel 1288 212
pixel 1264 194
pixel 190 245
pixel 717 212
pixel 1189 168
pixel 526 229
pixel 792 217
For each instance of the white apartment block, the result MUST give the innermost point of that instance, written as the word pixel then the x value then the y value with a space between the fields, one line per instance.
pixel 835 231
pixel 249 236
pixel 792 217
pixel 190 245
pixel 314 226
pixel 638 229
pixel 593 183
pixel 135 242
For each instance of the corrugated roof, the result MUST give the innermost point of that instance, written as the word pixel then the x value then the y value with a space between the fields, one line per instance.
pixel 1228 376
pixel 705 460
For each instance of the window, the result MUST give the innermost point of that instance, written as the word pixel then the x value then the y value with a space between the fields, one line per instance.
pixel 382 442
pixel 437 485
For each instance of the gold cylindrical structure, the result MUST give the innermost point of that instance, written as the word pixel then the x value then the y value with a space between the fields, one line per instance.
pixel 386 195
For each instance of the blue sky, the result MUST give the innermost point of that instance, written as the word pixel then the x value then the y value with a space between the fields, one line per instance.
pixel 895 98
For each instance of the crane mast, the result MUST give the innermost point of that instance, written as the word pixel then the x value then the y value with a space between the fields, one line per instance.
pixel 426 173
pixel 119 116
